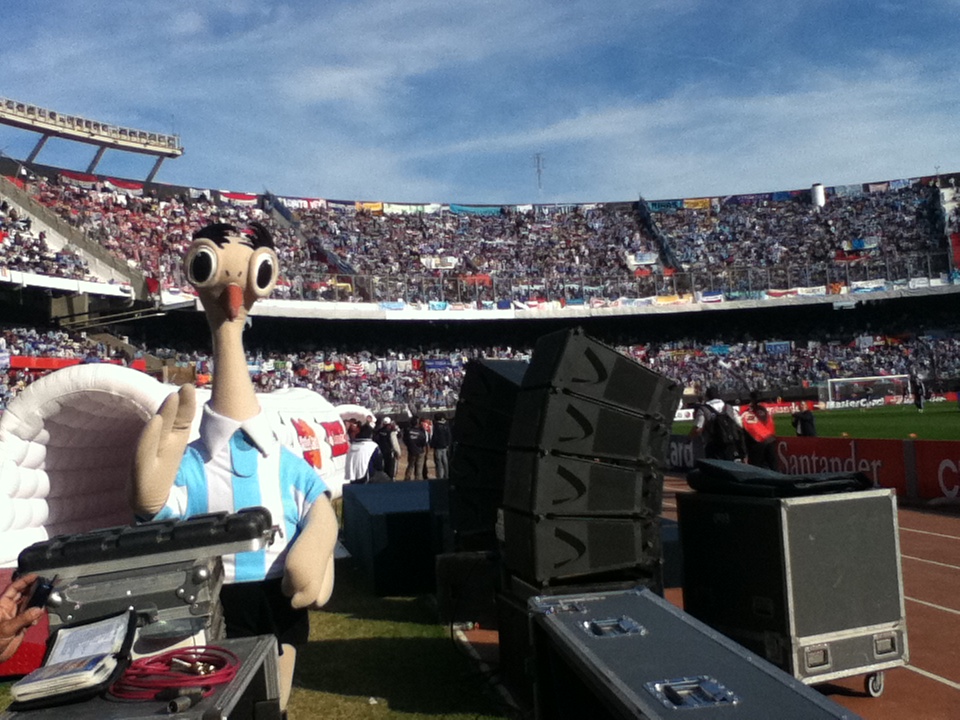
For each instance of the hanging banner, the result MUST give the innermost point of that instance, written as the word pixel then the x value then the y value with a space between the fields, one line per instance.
pixel 236 198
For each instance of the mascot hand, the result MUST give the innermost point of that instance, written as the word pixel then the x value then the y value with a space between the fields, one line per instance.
pixel 308 574
pixel 160 450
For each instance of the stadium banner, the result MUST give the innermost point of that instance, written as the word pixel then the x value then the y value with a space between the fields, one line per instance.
pixel 868 285
pixel 880 460
pixel 298 203
pixel 342 205
pixel 938 468
pixel 697 203
pixel 870 242
pixel 82 179
pixel 847 190
pixel 754 199
pixel 374 208
pixel 437 364
pixel 815 290
pixel 782 293
pixel 127 187
pixel 878 187
pixel 665 206
pixel 787 195
pixel 777 347
pixel 475 209
pixel 404 209
pixel 237 198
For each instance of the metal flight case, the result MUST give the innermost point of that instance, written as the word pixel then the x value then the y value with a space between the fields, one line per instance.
pixel 811 583
pixel 631 654
pixel 169 571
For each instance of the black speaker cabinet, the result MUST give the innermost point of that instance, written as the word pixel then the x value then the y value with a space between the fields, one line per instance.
pixel 811 583
pixel 486 402
pixel 492 383
pixel 482 427
pixel 570 360
pixel 632 655
pixel 478 466
pixel 554 421
pixel 544 549
pixel 558 485
pixel 393 534
pixel 467 587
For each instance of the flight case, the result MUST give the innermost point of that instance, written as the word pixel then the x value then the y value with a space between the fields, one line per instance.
pixel 168 571
pixel 811 583
pixel 631 654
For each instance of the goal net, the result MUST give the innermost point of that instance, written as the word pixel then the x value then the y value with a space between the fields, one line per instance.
pixel 876 387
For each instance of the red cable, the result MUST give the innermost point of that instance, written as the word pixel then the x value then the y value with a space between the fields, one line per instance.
pixel 147 676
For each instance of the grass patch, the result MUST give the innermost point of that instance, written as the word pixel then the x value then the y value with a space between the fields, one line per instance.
pixel 938 421
pixel 390 650
pixel 381 659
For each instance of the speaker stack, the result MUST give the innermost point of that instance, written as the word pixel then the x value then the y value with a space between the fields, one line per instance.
pixel 583 483
pixel 481 431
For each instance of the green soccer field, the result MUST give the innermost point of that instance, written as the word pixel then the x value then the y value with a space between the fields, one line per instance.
pixel 938 421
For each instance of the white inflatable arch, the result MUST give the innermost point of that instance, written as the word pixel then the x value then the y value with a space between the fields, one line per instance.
pixel 67 444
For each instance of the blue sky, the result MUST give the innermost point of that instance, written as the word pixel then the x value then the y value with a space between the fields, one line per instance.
pixel 439 101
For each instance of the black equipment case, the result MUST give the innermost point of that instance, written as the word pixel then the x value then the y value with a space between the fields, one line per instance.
pixel 811 583
pixel 631 654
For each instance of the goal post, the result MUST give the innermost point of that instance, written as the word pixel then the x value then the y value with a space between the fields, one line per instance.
pixel 875 387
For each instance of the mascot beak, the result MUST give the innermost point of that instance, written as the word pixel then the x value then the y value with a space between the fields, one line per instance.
pixel 231 300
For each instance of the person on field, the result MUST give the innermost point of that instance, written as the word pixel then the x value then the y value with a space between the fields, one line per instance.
pixel 415 439
pixel 720 427
pixel 760 434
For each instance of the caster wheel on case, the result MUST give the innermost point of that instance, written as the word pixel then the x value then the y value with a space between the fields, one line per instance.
pixel 874 684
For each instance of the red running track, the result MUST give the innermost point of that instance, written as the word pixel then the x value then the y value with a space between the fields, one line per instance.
pixel 928 688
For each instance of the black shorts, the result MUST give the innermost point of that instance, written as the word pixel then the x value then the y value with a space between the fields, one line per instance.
pixel 261 608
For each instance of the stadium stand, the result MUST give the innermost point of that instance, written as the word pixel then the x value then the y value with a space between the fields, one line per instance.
pixel 861 237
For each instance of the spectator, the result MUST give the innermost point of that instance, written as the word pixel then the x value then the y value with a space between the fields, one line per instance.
pixel 440 441
pixel 415 440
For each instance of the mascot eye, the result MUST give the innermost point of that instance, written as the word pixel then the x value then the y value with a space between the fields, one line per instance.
pixel 202 266
pixel 263 272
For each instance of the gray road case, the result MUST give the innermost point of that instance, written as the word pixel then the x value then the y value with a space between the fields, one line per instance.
pixel 253 694
pixel 631 654
pixel 812 583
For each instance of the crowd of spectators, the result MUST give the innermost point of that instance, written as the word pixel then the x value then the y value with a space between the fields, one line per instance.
pixel 879 228
pixel 417 380
pixel 338 251
pixel 24 250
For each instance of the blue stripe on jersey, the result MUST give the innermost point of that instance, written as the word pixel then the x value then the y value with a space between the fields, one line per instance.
pixel 297 476
pixel 193 476
pixel 246 493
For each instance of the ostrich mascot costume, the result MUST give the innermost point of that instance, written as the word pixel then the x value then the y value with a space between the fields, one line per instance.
pixel 238 462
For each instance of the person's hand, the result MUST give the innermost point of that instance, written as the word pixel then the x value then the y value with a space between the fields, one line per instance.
pixel 15 616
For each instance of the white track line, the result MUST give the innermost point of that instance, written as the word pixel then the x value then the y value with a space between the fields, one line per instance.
pixel 932 534
pixel 926 674
pixel 932 605
pixel 931 562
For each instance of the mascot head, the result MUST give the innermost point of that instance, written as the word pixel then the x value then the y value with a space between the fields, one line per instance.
pixel 231 269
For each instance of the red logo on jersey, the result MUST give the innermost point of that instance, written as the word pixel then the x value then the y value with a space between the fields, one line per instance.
pixel 309 442
pixel 337 437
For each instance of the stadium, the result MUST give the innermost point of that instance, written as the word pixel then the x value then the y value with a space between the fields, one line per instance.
pixel 832 297
pixel 825 282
